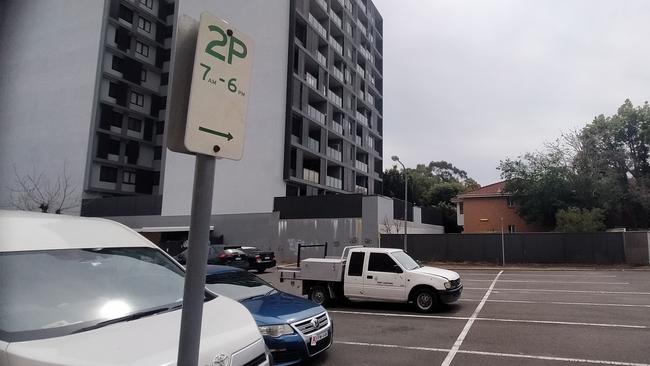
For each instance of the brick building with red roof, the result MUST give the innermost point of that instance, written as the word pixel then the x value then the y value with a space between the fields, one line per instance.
pixel 482 211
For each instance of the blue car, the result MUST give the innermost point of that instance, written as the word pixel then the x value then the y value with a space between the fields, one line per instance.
pixel 294 328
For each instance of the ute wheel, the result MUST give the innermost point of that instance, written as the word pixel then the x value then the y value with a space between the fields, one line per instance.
pixel 319 295
pixel 425 300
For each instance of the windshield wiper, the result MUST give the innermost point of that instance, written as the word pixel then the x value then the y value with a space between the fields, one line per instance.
pixel 134 316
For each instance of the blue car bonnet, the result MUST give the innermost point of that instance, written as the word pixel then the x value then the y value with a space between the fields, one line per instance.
pixel 280 308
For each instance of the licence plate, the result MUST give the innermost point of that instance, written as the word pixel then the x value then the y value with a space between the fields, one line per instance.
pixel 237 259
pixel 267 258
pixel 317 337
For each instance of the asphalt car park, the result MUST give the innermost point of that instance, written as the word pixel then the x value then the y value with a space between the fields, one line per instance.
pixel 512 316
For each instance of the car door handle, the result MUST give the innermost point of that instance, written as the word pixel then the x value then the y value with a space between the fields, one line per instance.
pixel 369 277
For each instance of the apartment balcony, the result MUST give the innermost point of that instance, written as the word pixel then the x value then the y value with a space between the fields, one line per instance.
pixel 322 3
pixel 319 27
pixel 337 127
pixel 364 52
pixel 348 5
pixel 348 28
pixel 321 58
pixel 313 144
pixel 370 98
pixel 371 37
pixel 311 175
pixel 357 139
pixel 338 101
pixel 311 80
pixel 361 71
pixel 335 18
pixel 362 6
pixel 336 45
pixel 360 189
pixel 372 79
pixel 348 76
pixel 334 154
pixel 362 118
pixel 362 28
pixel 315 114
pixel 334 182
pixel 337 73
pixel 370 142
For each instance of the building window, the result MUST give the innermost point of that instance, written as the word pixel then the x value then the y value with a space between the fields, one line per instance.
pixel 157 153
pixel 160 127
pixel 116 64
pixel 126 14
pixel 512 229
pixel 511 202
pixel 107 174
pixel 147 3
pixel 135 124
pixel 116 119
pixel 143 76
pixel 137 99
pixel 128 178
pixel 144 24
pixel 142 48
pixel 112 90
pixel 460 207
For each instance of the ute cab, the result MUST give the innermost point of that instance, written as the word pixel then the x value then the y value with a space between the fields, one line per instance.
pixel 82 291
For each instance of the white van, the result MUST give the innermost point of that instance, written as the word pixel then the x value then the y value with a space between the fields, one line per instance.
pixel 87 291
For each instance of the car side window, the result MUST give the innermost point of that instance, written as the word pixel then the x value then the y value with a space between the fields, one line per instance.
pixel 356 264
pixel 381 262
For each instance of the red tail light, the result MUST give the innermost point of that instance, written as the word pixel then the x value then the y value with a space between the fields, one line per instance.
pixel 258 258
pixel 222 256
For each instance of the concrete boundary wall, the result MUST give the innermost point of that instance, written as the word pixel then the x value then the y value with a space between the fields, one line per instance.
pixel 579 248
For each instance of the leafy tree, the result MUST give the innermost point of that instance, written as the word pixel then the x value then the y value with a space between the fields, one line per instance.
pixel 604 165
pixel 431 185
pixel 578 220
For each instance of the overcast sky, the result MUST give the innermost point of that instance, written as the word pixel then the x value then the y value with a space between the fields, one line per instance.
pixel 474 82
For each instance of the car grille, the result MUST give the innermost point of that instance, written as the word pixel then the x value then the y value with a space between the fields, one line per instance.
pixel 307 326
pixel 256 361
pixel 455 283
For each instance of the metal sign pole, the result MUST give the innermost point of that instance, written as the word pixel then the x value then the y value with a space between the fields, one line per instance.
pixel 197 257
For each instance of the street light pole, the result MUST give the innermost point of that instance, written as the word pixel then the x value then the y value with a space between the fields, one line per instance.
pixel 406 180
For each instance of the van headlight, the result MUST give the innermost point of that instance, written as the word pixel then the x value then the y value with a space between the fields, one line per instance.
pixel 276 330
pixel 447 285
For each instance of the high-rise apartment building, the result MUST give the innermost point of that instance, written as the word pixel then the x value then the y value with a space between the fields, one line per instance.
pixel 335 94
pixel 93 103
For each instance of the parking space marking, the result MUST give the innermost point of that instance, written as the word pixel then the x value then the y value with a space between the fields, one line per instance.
pixel 542 281
pixel 561 303
pixel 496 354
pixel 569 291
pixel 468 325
pixel 539 275
pixel 505 320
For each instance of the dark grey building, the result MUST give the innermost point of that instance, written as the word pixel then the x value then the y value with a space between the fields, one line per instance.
pixel 334 98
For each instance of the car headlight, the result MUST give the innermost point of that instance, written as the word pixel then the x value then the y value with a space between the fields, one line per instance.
pixel 447 285
pixel 276 330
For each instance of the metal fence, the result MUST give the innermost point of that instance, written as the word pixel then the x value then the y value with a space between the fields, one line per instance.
pixel 579 248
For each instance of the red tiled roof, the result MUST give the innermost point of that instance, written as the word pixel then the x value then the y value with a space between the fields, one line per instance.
pixel 491 190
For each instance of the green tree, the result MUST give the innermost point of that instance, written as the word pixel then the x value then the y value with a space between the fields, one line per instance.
pixel 431 185
pixel 578 220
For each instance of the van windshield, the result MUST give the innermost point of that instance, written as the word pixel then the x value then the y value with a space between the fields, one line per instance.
pixel 52 293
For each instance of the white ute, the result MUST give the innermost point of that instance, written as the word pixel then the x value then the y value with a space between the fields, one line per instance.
pixel 82 291
pixel 374 274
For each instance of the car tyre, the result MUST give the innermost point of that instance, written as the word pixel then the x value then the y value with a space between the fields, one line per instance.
pixel 425 300
pixel 319 295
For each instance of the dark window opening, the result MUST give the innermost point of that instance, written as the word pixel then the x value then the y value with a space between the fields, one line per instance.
pixel 126 14
pixel 157 153
pixel 356 264
pixel 108 174
pixel 135 124
pixel 381 262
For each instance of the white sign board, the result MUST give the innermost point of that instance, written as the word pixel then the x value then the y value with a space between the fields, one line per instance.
pixel 216 115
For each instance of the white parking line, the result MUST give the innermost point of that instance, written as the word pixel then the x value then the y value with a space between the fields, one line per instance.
pixel 561 303
pixel 570 291
pixel 551 322
pixel 496 354
pixel 468 325
pixel 556 282
pixel 537 275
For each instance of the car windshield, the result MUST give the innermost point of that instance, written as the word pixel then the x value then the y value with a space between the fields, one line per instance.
pixel 238 285
pixel 51 293
pixel 405 260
